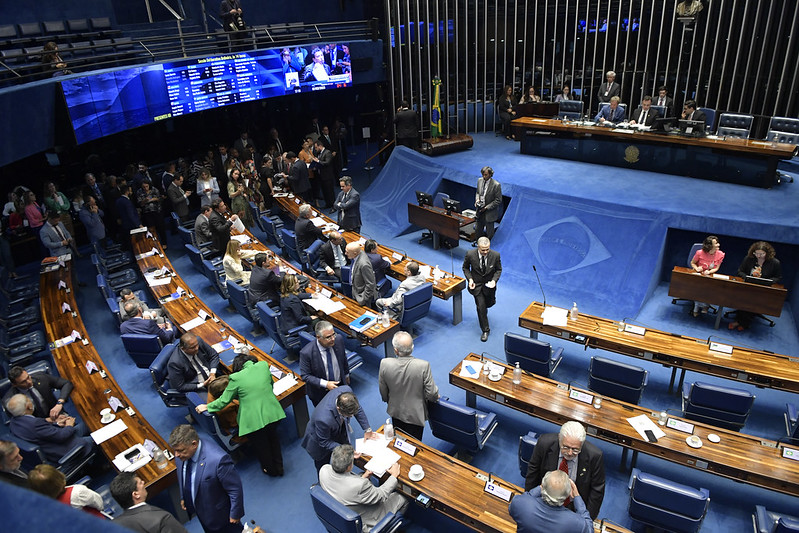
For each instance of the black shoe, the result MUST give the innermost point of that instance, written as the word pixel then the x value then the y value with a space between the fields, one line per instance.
pixel 484 336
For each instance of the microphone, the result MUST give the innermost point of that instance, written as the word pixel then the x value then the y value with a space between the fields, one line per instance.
pixel 540 286
pixel 404 257
pixel 451 262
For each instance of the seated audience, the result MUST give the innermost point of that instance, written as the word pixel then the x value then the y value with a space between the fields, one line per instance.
pixel 234 269
pixel 645 115
pixel 10 464
pixel 542 510
pixel 760 262
pixel 707 261
pixel 530 96
pixel 394 303
pixel 228 414
pixel 264 283
pixel 126 295
pixel 304 230
pixel 612 113
pixel 39 389
pixel 332 255
pixel 130 493
pixel 292 313
pixel 690 111
pixel 140 325
pixel 192 365
pixel 565 94
pixel 48 480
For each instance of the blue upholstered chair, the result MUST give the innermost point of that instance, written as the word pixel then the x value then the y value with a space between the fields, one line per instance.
pixel 272 227
pixel 710 120
pixel 532 355
pixel 216 277
pixel 346 280
pixel 143 349
pixel 791 423
pixel 415 305
pixel 618 380
pixel 526 446
pixel 572 109
pixel 694 248
pixel 735 125
pixel 338 518
pixel 465 427
pixel 23 349
pixel 70 464
pixel 603 105
pixel 766 521
pixel 40 367
pixel 290 249
pixel 209 422
pixel 353 359
pixel 661 109
pixel 719 406
pixel 658 502
pixel 270 321
pixel 18 316
pixel 783 130
pixel 115 280
pixel 239 298
pixel 159 371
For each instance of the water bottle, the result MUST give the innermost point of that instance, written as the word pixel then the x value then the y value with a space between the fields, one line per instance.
pixel 388 430
pixel 249 527
pixel 385 321
pixel 517 375
pixel 574 313
pixel 160 459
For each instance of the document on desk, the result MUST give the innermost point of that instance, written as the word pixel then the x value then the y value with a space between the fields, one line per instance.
pixel 319 222
pixel 243 239
pixel 152 281
pixel 191 324
pixel 382 461
pixel 106 432
pixel 471 369
pixel 283 384
pixel 642 422
pixel 425 271
pixel 370 447
pixel 555 316
pixel 325 305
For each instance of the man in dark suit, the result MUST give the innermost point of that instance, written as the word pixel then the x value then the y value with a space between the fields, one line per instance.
pixel 304 230
pixel 645 115
pixel 332 255
pixel 612 113
pixel 192 365
pixel 582 461
pixel 91 188
pixel 243 142
pixel 202 226
pixel 329 424
pixel 663 99
pixel 10 461
pixel 323 362
pixel 348 205
pixel 542 508
pixel 220 228
pixel 298 177
pixel 220 161
pixel 482 268
pixel 609 89
pixel 487 201
pixel 179 198
pixel 145 326
pixel 691 112
pixel 127 214
pixel 54 440
pixel 362 275
pixel 40 390
pixel 327 172
pixel 264 283
pixel 379 265
pixel 130 493
pixel 209 484
pixel 407 123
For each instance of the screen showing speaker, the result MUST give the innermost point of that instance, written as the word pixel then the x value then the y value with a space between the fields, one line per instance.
pixel 110 102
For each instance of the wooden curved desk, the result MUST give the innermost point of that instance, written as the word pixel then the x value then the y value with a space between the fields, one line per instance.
pixel 92 391
pixel 182 310
pixel 738 456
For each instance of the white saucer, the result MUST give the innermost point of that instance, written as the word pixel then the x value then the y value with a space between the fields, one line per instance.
pixel 694 442
pixel 110 418
pixel 713 438
pixel 416 478
pixel 499 377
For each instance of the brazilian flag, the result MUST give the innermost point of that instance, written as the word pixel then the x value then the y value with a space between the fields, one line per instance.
pixel 435 116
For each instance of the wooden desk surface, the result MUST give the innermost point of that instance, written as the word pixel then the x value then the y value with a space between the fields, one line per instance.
pixel 442 288
pixel 182 310
pixel 738 456
pixel 760 368
pixel 89 394
pixel 734 292
pixel 456 491
pixel 755 147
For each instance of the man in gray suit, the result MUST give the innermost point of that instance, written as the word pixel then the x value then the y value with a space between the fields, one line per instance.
pixel 55 236
pixel 357 492
pixel 202 229
pixel 412 280
pixel 129 492
pixel 362 276
pixel 348 205
pixel 179 198
pixel 487 201
pixel 406 385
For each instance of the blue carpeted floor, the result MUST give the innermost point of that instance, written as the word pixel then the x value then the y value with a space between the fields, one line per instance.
pixel 599 235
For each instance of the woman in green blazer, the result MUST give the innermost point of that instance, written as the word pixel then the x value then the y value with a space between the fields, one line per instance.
pixel 259 410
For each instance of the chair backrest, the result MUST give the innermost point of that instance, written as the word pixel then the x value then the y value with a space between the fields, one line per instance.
pixel 78 25
pixel 208 422
pixel 661 109
pixel 438 200
pixel 570 108
pixel 54 26
pixel 416 303
pixel 532 355
pixel 618 380
pixel 720 406
pixel 710 119
pixel 526 446
pixel 186 235
pixel 143 349
pixel 196 257
pixel 101 23
pixel 30 29
pixel 783 130
pixel 454 423
pixel 787 525
pixel 663 503
pixel 216 277
pixel 290 244
pixel 159 372
pixel 256 215
pixel 346 280
pixel 271 229
pixel 270 321
pixel 334 515
pixel 695 248
pixel 603 105
pixel 737 125
pixel 312 257
pixel 40 367
pixel 239 297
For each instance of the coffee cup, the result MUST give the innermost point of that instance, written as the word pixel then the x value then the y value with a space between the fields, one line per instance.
pixel 494 375
pixel 416 472
pixel 105 412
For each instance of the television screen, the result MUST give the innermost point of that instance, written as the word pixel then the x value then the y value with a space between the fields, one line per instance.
pixel 114 101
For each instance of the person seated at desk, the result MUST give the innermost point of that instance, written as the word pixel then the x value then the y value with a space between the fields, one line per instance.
pixel 234 269
pixel 706 261
pixel 565 94
pixel 760 262
pixel 292 313
pixel 394 303
pixel 505 107
pixel 530 97
pixel 140 325
pixel 126 295
pixel 39 389
pixel 357 491
pixel 542 509
pixel 612 113
pixel 48 480
pixel 264 283
pixel 228 414
pixel 645 115
pixel 690 112
pixel 379 265
pixel 10 464
pixel 192 365
pixel 332 255
pixel 304 230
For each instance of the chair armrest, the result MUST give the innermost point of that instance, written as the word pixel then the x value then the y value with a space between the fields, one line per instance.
pixel 389 523
pixel 83 481
pixel 557 352
pixel 293 332
pixel 70 455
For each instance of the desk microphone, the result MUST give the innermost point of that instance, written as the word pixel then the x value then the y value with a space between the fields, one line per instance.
pixel 452 262
pixel 404 257
pixel 540 286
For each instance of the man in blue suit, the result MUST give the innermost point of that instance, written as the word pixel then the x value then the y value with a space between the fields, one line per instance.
pixel 612 113
pixel 330 425
pixel 317 358
pixel 348 205
pixel 127 214
pixel 145 326
pixel 541 510
pixel 54 440
pixel 209 485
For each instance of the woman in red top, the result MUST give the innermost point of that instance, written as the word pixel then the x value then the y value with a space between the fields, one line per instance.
pixel 48 480
pixel 707 261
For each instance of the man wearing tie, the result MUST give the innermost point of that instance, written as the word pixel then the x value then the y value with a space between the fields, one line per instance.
pixel 487 199
pixel 570 452
pixel 348 205
pixel 55 236
pixel 323 362
pixel 664 100
pixel 192 365
pixel 690 112
pixel 609 89
pixel 645 115
pixel 482 268
pixel 179 198
pixel 209 485
pixel 612 113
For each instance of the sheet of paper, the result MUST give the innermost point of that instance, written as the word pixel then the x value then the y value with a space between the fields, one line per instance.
pixel 106 432
pixel 318 222
pixel 425 271
pixel 191 324
pixel 555 316
pixel 283 384
pixel 238 225
pixel 642 422
pixel 471 369
pixel 243 239
pixel 382 461
pixel 153 282
pixel 325 305
pixel 370 447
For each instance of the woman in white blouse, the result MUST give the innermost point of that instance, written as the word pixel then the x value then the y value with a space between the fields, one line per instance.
pixel 207 188
pixel 234 270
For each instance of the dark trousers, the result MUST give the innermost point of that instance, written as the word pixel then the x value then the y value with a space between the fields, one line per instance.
pixel 266 443
pixel 411 142
pixel 227 528
pixel 481 227
pixel 321 462
pixel 484 298
pixel 505 117
pixel 411 429
pixel 329 195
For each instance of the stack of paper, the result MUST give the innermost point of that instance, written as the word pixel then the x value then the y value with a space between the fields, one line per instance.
pixel 642 422
pixel 243 239
pixel 382 461
pixel 325 305
pixel 370 447
pixel 471 369
pixel 555 316
pixel 283 384
pixel 191 324
pixel 106 432
pixel 319 222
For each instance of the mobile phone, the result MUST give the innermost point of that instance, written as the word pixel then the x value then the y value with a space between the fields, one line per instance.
pixel 132 455
pixel 423 499
pixel 650 435
pixel 364 321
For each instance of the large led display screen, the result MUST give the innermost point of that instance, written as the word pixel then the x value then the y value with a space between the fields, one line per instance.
pixel 110 102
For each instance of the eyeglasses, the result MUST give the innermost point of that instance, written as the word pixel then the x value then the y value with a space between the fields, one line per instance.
pixel 575 451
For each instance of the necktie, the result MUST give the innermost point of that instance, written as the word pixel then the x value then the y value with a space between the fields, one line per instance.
pixel 643 117
pixel 331 372
pixel 564 467
pixel 60 233
pixel 483 263
pixel 188 479
pixel 38 406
